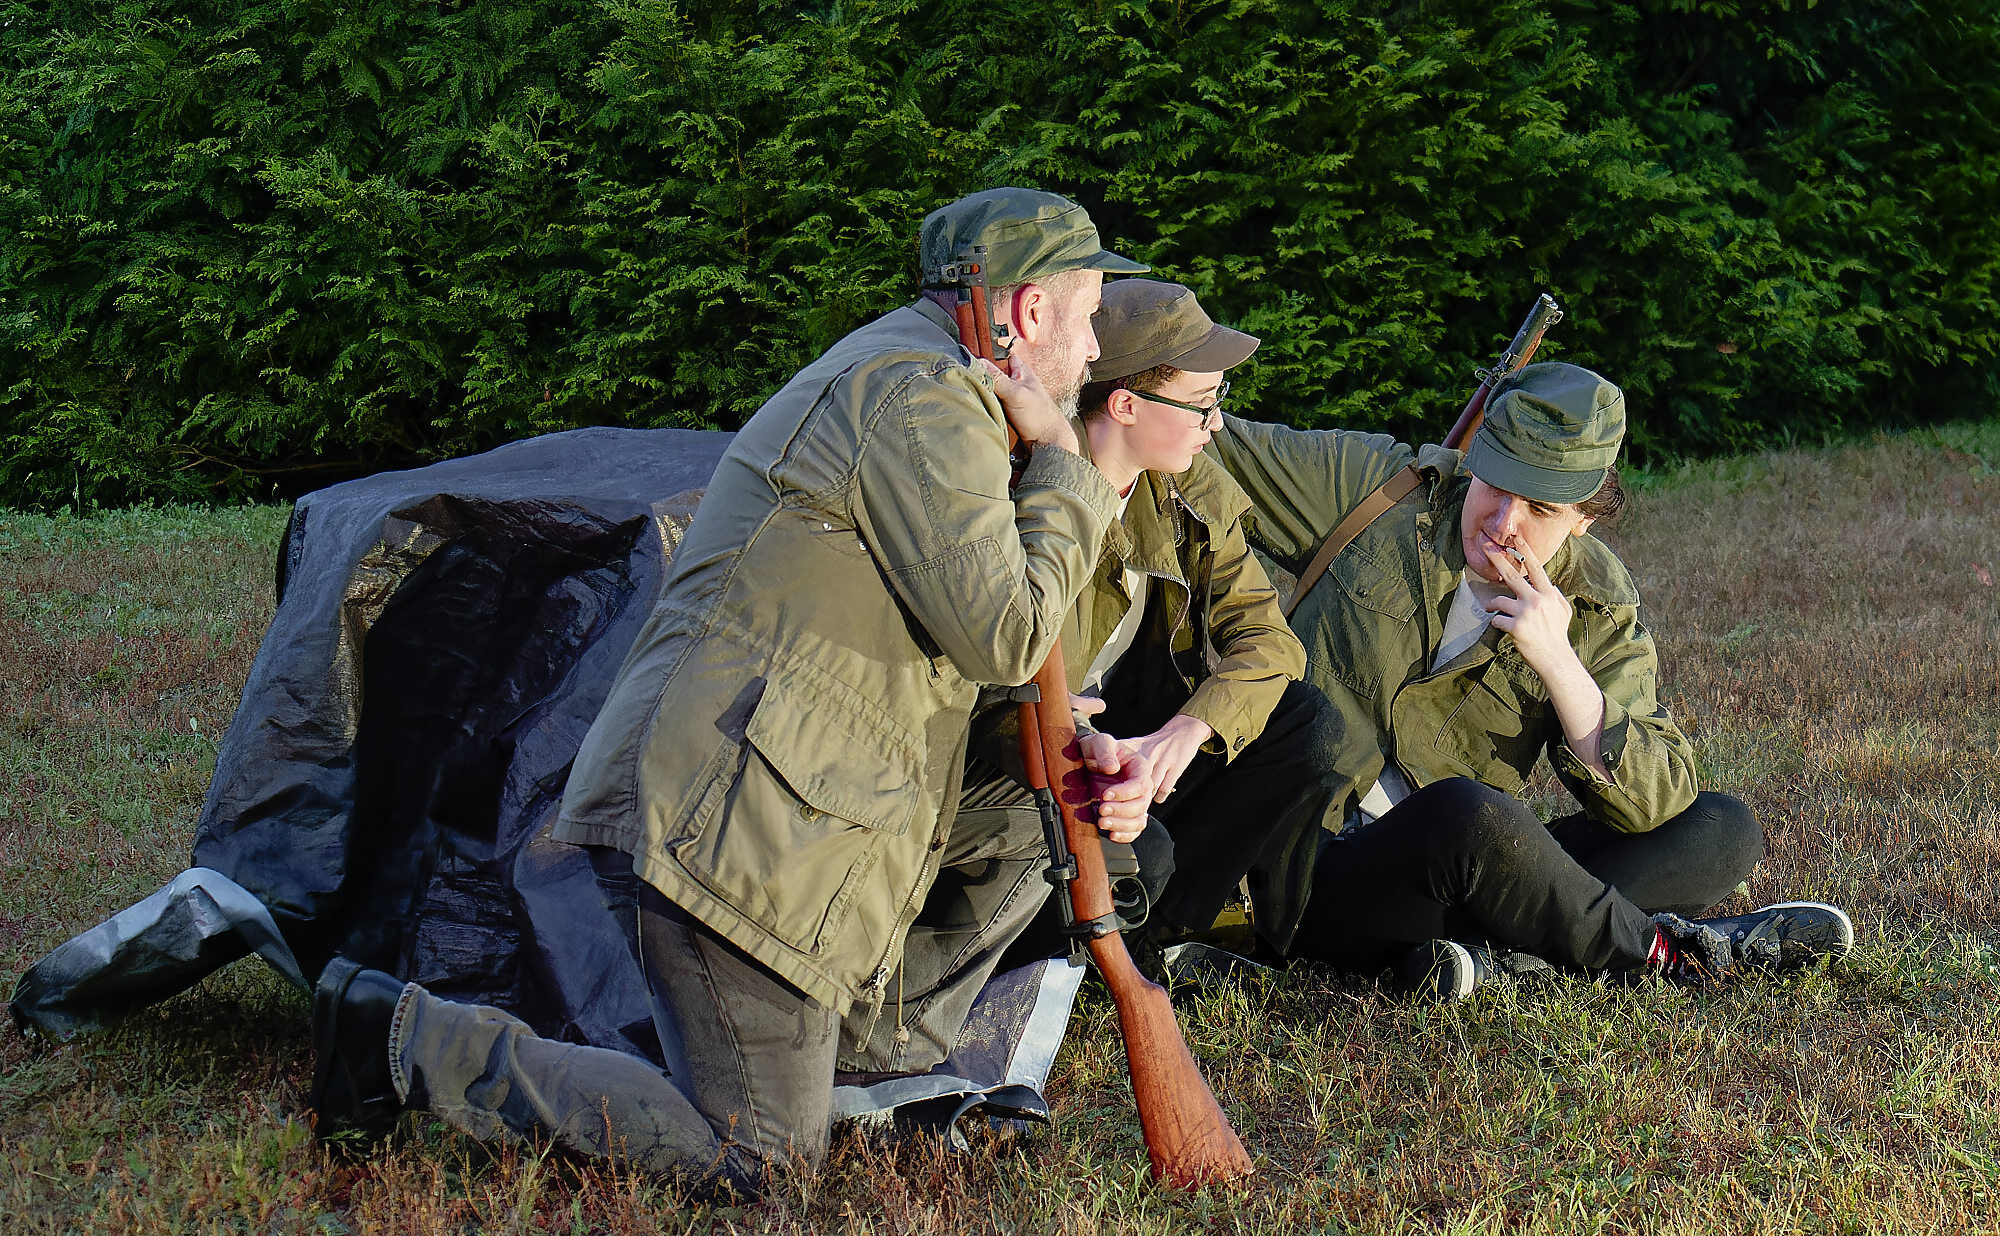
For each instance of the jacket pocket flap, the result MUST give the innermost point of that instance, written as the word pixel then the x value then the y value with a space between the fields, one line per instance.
pixel 1377 580
pixel 846 765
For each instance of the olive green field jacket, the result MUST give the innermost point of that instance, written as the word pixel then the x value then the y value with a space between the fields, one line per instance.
pixel 1213 643
pixel 1215 646
pixel 781 752
pixel 1372 626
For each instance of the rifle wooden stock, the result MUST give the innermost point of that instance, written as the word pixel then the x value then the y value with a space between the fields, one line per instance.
pixel 1188 1138
pixel 1543 315
pixel 982 320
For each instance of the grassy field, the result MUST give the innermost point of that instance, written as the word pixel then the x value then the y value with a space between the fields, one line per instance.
pixel 1831 636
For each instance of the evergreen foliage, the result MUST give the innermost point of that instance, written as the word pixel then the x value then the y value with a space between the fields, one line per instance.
pixel 256 243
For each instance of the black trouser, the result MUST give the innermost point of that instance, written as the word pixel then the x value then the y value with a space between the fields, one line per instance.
pixel 1224 816
pixel 1222 819
pixel 1459 860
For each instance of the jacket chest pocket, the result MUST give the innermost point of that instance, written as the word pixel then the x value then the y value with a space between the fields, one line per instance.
pixel 820 792
pixel 1496 731
pixel 1368 630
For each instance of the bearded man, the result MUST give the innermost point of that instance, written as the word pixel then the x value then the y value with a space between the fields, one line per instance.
pixel 782 751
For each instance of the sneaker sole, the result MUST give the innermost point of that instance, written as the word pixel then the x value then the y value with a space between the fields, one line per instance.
pixel 1846 924
pixel 1452 962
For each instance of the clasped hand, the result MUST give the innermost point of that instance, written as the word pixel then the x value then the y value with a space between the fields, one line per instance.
pixel 1129 775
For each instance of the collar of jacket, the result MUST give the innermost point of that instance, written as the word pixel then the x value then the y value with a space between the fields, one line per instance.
pixel 942 319
pixel 1197 493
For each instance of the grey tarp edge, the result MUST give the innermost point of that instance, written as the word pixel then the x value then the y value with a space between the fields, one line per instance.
pixel 198 921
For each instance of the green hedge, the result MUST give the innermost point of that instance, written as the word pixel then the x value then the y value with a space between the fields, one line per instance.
pixel 250 245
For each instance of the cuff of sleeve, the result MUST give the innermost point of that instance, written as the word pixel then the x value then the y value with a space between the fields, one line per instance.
pixel 1052 465
pixel 1610 746
pixel 1230 736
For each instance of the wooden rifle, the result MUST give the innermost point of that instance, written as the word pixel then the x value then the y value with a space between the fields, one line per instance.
pixel 1188 1138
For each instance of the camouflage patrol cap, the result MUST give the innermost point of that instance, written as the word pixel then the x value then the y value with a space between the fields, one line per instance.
pixel 1029 235
pixel 1145 323
pixel 1550 432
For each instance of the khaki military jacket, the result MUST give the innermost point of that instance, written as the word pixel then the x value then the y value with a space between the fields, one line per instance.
pixel 1216 646
pixel 1372 626
pixel 1213 643
pixel 780 752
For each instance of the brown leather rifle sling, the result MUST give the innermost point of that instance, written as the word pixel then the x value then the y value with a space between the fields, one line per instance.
pixel 1188 1138
pixel 1541 317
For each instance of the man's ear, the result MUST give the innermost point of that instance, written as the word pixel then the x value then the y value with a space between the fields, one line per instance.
pixel 1582 526
pixel 1122 406
pixel 1029 315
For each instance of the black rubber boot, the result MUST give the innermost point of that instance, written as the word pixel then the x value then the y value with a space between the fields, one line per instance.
pixel 353 1096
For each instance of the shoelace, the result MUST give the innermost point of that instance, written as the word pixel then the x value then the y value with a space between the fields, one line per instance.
pixel 1669 959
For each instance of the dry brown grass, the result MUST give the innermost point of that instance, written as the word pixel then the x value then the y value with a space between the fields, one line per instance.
pixel 1828 640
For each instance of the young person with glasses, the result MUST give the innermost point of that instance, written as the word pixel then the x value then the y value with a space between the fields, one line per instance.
pixel 1177 647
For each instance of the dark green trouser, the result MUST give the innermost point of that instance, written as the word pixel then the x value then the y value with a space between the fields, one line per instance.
pixel 759 1087
pixel 757 1096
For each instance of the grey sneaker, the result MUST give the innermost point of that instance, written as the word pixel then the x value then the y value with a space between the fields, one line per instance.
pixel 1789 935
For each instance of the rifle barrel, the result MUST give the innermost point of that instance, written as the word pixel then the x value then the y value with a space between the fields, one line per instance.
pixel 1544 314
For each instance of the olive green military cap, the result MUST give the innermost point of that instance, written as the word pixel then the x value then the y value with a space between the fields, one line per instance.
pixel 1145 323
pixel 1550 432
pixel 1028 235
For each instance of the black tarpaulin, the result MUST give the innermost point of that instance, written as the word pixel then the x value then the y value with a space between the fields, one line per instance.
pixel 442 640
pixel 444 637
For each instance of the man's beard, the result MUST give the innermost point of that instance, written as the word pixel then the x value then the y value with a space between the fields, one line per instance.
pixel 1068 400
pixel 1064 389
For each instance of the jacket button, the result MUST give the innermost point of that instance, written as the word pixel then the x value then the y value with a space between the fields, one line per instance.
pixel 808 812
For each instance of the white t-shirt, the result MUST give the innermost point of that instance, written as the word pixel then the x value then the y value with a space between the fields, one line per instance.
pixel 1127 629
pixel 1469 617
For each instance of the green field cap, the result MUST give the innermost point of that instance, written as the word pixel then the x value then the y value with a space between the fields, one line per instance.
pixel 1550 432
pixel 1145 323
pixel 1028 235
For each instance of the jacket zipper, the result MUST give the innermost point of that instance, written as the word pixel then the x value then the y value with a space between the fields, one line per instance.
pixel 908 914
